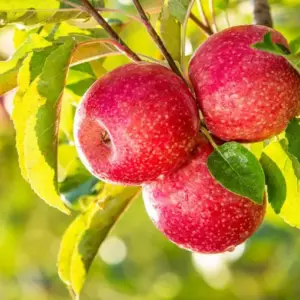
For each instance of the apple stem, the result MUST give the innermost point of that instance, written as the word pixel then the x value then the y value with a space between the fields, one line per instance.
pixel 209 137
pixel 262 13
pixel 206 29
pixel 122 45
pixel 156 38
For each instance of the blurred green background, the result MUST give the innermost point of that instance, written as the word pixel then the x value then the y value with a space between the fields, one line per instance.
pixel 136 262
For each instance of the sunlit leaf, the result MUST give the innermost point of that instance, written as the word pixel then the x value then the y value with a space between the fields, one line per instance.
pixel 170 31
pixel 84 236
pixel 32 12
pixel 9 68
pixel 238 170
pixel 37 126
pixel 290 211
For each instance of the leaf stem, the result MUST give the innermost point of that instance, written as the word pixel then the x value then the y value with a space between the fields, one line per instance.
pixel 209 137
pixel 156 38
pixel 122 46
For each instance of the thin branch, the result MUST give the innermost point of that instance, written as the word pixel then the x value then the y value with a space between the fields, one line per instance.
pixel 207 30
pixel 262 13
pixel 213 15
pixel 122 46
pixel 156 38
pixel 202 13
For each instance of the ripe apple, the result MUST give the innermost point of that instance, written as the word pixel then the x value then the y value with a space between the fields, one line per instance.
pixel 195 212
pixel 136 123
pixel 245 94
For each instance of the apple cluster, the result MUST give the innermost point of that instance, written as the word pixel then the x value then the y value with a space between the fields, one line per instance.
pixel 140 125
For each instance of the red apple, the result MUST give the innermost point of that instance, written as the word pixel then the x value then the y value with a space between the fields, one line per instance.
pixel 136 123
pixel 195 212
pixel 245 94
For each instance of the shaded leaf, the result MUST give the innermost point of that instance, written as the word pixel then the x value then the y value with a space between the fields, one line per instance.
pixel 84 236
pixel 292 134
pixel 290 211
pixel 275 183
pixel 178 8
pixel 238 170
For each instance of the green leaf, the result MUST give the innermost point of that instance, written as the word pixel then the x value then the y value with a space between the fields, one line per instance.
pixel 33 12
pixel 275 183
pixel 268 45
pixel 37 126
pixel 290 211
pixel 178 8
pixel 9 68
pixel 31 67
pixel 277 49
pixel 292 134
pixel 84 236
pixel 238 170
pixel 170 31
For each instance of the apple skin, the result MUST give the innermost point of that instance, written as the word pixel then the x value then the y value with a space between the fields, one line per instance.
pixel 195 212
pixel 148 120
pixel 245 94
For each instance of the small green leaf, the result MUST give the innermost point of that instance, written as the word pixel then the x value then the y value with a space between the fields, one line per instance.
pixel 170 31
pixel 84 236
pixel 269 46
pixel 292 134
pixel 238 170
pixel 275 183
pixel 290 211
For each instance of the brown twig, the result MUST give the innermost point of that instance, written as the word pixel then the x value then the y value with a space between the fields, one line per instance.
pixel 262 13
pixel 122 46
pixel 156 38
pixel 207 30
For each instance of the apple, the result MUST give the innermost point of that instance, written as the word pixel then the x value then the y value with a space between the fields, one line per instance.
pixel 136 123
pixel 195 212
pixel 245 94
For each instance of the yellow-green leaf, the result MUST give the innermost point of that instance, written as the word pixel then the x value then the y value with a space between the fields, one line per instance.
pixel 290 211
pixel 84 236
pixel 170 31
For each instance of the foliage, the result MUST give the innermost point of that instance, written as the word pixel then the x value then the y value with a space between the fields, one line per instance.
pixel 57 58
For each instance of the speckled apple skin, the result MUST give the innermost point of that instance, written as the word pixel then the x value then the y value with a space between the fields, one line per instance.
pixel 195 212
pixel 245 94
pixel 151 119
